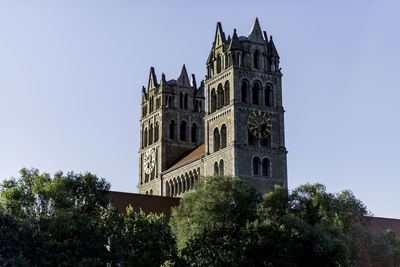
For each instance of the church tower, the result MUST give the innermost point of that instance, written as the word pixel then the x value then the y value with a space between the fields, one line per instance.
pixel 244 122
pixel 171 124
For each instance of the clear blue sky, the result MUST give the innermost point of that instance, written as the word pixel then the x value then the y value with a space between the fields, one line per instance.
pixel 71 74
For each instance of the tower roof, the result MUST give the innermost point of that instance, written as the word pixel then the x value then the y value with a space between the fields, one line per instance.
pixel 193 81
pixel 271 48
pixel 256 34
pixel 219 35
pixel 235 43
pixel 183 78
pixel 152 79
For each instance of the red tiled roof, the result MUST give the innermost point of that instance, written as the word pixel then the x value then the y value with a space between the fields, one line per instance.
pixel 148 203
pixel 159 204
pixel 190 156
pixel 379 224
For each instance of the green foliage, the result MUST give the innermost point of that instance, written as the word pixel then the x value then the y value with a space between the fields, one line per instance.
pixel 208 220
pixel 65 216
pixel 67 220
pixel 308 227
pixel 148 240
pixel 385 249
pixel 12 245
pixel 216 203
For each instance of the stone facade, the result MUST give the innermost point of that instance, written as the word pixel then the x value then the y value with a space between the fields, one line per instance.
pixel 185 135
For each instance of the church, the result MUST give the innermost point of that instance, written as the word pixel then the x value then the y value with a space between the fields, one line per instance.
pixel 230 124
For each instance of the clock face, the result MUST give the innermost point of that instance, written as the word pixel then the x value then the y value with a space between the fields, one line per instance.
pixel 259 124
pixel 149 161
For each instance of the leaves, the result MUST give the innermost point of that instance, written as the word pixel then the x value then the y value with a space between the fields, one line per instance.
pixel 148 239
pixel 64 214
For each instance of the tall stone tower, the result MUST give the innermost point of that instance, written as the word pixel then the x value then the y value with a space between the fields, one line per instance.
pixel 171 124
pixel 241 131
pixel 244 122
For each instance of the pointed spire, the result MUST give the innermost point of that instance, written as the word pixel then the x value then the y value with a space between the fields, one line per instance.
pixel 183 78
pixel 256 35
pixel 163 82
pixel 144 94
pixel 152 79
pixel 193 81
pixel 210 57
pixel 200 90
pixel 235 43
pixel 219 35
pixel 271 48
pixel 265 37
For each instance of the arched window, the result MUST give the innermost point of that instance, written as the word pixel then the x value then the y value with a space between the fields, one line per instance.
pixel 226 93
pixel 181 100
pixel 167 189
pixel 213 100
pixel 256 166
pixel 216 140
pixel 268 96
pixel 187 182
pixel 219 63
pixel 256 59
pixel 223 136
pixel 265 167
pixel 151 104
pixel 145 137
pixel 179 186
pixel 220 97
pixel 256 89
pixel 172 130
pixel 221 167
pixel 250 137
pixel 175 187
pixel 156 132
pixel 244 91
pixel 170 102
pixel 194 132
pixel 158 102
pixel 183 131
pixel 216 169
pixel 186 101
pixel 151 191
pixel 151 134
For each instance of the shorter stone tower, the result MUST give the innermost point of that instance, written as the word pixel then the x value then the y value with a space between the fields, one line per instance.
pixel 171 124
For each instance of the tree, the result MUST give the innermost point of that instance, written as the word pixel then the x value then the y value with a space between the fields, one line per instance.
pixel 208 220
pixel 65 215
pixel 12 245
pixel 147 239
pixel 225 223
pixel 323 229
